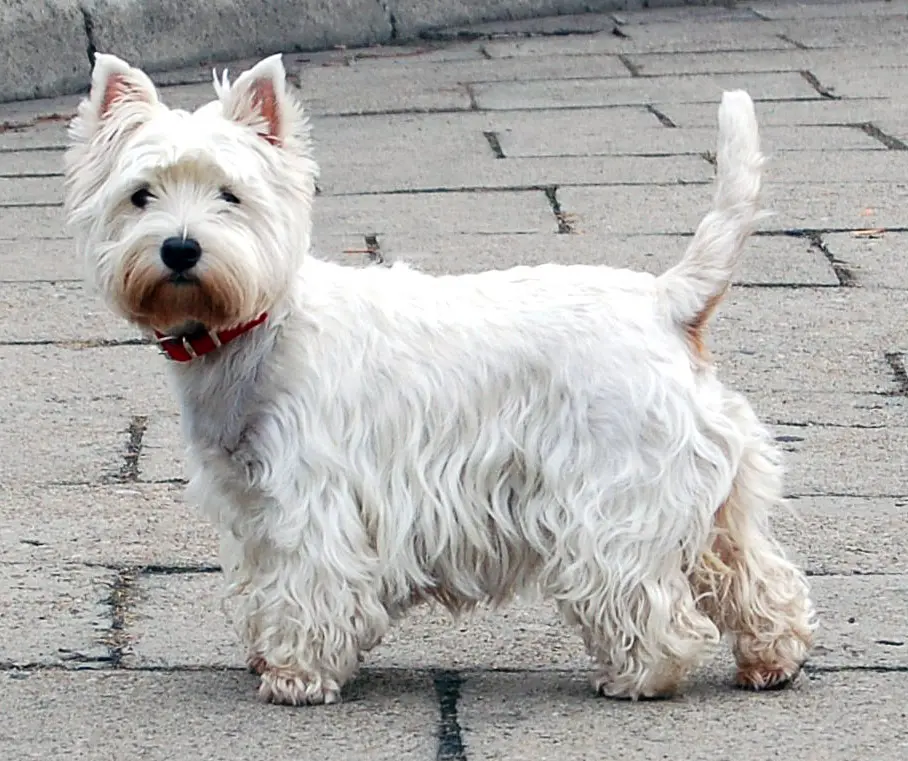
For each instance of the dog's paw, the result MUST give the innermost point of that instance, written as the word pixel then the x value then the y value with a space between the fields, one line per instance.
pixel 762 677
pixel 297 689
pixel 256 664
pixel 662 690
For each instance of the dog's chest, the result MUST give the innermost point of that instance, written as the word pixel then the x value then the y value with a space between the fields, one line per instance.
pixel 217 407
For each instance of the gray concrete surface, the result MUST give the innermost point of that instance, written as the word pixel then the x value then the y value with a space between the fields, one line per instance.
pixel 456 155
pixel 46 46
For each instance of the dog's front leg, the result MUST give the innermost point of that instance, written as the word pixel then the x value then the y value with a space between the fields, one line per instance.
pixel 305 623
pixel 310 603
pixel 304 567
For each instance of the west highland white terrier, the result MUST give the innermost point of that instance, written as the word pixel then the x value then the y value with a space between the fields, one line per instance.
pixel 367 439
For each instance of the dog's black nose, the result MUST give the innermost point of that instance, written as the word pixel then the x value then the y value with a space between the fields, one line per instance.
pixel 181 254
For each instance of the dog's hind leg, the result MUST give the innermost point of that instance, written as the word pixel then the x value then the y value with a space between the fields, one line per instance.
pixel 744 581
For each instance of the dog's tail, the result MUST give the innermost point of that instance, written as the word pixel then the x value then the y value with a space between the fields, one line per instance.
pixel 694 287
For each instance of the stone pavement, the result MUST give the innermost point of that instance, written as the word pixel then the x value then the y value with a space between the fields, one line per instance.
pixel 577 139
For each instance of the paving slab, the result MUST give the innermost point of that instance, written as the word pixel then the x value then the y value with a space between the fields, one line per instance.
pixel 455 212
pixel 46 135
pixel 178 622
pixel 208 715
pixel 792 112
pixel 456 151
pixel 587 93
pixel 359 88
pixel 830 206
pixel 28 191
pixel 866 462
pixel 769 260
pixel 131 524
pixel 666 37
pixel 583 137
pixel 553 716
pixel 29 164
pixel 745 62
pixel 845 535
pixel 877 259
pixel 163 449
pixel 60 311
pixel 32 223
pixel 824 9
pixel 869 81
pixel 59 444
pixel 34 260
pixel 69 408
pixel 818 408
pixel 869 31
pixel 657 13
pixel 827 165
pixel 53 615
pixel 806 340
pixel 562 25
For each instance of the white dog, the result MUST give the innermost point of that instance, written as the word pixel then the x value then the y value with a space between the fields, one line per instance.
pixel 368 439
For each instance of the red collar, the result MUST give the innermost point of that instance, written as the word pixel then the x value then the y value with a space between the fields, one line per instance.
pixel 186 348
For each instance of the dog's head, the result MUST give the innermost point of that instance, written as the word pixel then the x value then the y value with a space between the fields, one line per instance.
pixel 199 217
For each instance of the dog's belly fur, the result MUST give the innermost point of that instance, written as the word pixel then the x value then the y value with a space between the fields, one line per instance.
pixel 547 440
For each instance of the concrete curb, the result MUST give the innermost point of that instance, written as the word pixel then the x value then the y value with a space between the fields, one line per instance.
pixel 46 45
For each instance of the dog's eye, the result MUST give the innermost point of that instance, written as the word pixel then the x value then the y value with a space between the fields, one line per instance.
pixel 141 198
pixel 229 197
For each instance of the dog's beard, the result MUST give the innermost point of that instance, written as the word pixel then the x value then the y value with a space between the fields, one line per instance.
pixel 164 300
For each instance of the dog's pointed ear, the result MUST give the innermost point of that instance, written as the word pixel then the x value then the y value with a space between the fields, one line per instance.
pixel 115 83
pixel 259 99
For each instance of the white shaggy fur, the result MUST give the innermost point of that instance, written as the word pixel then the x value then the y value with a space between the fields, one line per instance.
pixel 387 437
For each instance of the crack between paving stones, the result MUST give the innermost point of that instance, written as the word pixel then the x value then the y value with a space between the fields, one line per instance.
pixel 494 144
pixel 119 600
pixel 442 34
pixel 564 222
pixel 663 119
pixel 892 143
pixel 524 189
pixel 373 249
pixel 89 26
pixel 474 106
pixel 806 232
pixel 101 343
pixel 454 736
pixel 129 470
pixel 846 495
pixel 814 669
pixel 792 41
pixel 156 569
pixel 450 741
pixel 392 19
pixel 844 275
pixel 629 65
pixel 896 362
pixel 815 83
